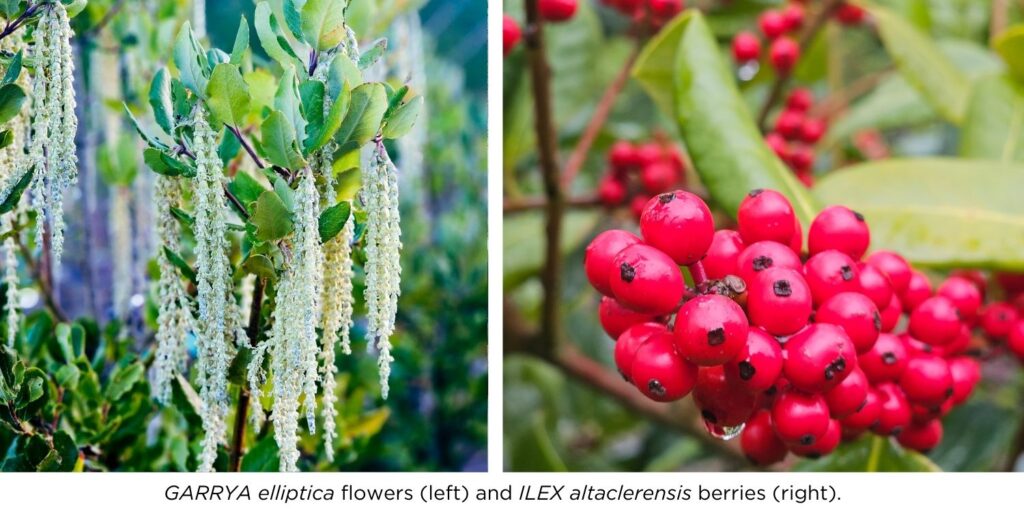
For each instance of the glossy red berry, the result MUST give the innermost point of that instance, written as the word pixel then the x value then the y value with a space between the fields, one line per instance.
pixel 646 280
pixel 849 395
pixel 758 364
pixel 997 318
pixel 965 373
pixel 746 47
pixel 800 100
pixel 680 224
pixel 659 372
pixel 772 23
pixel 867 416
pixel 511 34
pixel 623 156
pixel 788 124
pixel 611 191
pixel 824 445
pixel 778 145
pixel 964 294
pixel 849 14
pixel 818 358
pixel 600 255
pixel 796 244
pixel 616 318
pixel 710 330
pixel 959 345
pixel 841 229
pixel 829 273
pixel 629 342
pixel 765 215
pixel 722 256
pixel 783 54
pixel 793 14
pixel 759 442
pixel 886 360
pixel 894 267
pixel 920 413
pixel 891 314
pixel 801 159
pixel 921 437
pixel 1015 340
pixel 637 205
pixel 649 153
pixel 935 321
pixel 918 290
pixel 722 402
pixel 799 418
pixel 759 256
pixel 874 284
pixel 556 10
pixel 812 130
pixel 856 315
pixel 779 301
pixel 659 177
pixel 927 380
pixel 894 411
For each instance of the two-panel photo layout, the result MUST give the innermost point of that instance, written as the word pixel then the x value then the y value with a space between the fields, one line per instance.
pixel 724 235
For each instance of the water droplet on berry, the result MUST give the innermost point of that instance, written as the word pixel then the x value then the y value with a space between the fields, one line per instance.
pixel 723 433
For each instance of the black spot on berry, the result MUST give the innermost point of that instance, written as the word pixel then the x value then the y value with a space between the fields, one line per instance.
pixel 862 405
pixel 846 272
pixel 771 391
pixel 897 431
pixel 782 288
pixel 655 387
pixel 807 440
pixel 761 263
pixel 666 198
pixel 889 358
pixel 716 336
pixel 830 372
pixel 627 272
pixel 709 416
pixel 858 216
pixel 949 392
pixel 875 424
pixel 839 364
pixel 1002 316
pixel 878 322
pixel 747 370
pixel 756 192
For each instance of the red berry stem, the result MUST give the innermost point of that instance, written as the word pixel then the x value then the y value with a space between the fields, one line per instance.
pixel 699 275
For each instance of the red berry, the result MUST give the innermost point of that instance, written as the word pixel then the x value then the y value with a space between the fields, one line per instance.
pixel 964 294
pixel 649 153
pixel 818 358
pixel 812 130
pixel 849 14
pixel 894 267
pixel 829 273
pixel 765 215
pixel 975 277
pixel 849 395
pixel 885 361
pixel 680 224
pixel 800 100
pixel 894 411
pixel 788 124
pixel 721 258
pixel 793 14
pixel 611 191
pixel 797 242
pixel 924 413
pixel 918 290
pixel 1015 339
pixel 510 34
pixel 959 345
pixel 778 145
pixel 629 342
pixel 598 259
pixel 866 416
pixel 801 160
pixel 915 346
pixel 935 321
pixel 758 364
pixel 921 437
pixel 825 444
pixel 772 23
pixel 722 402
pixel 779 301
pixel 841 229
pixel 658 177
pixel 965 373
pixel 710 330
pixel 891 314
pixel 637 205
pixel 783 54
pixel 646 280
pixel 556 10
pixel 746 47
pixel 616 318
pixel 799 418
pixel 856 315
pixel 873 284
pixel 659 372
pixel 759 442
pixel 623 155
pixel 926 380
pixel 665 8
pixel 760 256
pixel 997 318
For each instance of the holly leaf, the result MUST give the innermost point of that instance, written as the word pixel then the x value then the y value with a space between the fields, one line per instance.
pixel 870 454
pixel 228 95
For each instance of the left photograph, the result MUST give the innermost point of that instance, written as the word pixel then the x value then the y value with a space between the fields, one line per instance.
pixel 243 235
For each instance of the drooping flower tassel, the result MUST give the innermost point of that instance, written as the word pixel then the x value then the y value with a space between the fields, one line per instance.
pixel 174 315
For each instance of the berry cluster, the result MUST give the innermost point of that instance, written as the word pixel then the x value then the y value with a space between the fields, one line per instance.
pixel 511 34
pixel 795 134
pixel 557 11
pixel 638 171
pixel 647 12
pixel 794 350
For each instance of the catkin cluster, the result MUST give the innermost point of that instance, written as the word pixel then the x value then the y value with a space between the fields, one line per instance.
pixel 175 311
pixel 12 168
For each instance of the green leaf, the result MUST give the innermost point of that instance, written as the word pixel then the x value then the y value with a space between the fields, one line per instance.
pixel 13 69
pixel 63 335
pixel 150 139
pixel 279 143
pixel 924 66
pixel 323 23
pixel 292 16
pixel 228 95
pixel 262 457
pixel 523 242
pixel 118 163
pixel 238 371
pixel 403 118
pixel 288 100
pixel 190 59
pixel 123 379
pixel 373 54
pixel 6 138
pixel 162 163
pixel 67 376
pixel 183 217
pixel 241 42
pixel 683 70
pixel 937 212
pixel 246 188
pixel 10 8
pixel 271 218
pixel 260 265
pixel 994 126
pixel 180 263
pixel 1010 46
pixel 66 450
pixel 343 74
pixel 365 113
pixel 271 38
pixel 12 199
pixel 870 454
pixel 12 98
pixel 316 139
pixel 229 147
pixel 160 100
pixel 333 219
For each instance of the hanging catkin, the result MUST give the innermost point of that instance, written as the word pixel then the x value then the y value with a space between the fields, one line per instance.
pixel 12 168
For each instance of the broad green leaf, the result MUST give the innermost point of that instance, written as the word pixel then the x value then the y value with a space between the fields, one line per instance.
pixel 1010 46
pixel 238 370
pixel 262 86
pixel 870 454
pixel 12 98
pixel 373 54
pixel 343 74
pixel 403 118
pixel 271 218
pixel 241 42
pixel 365 112
pixel 246 188
pixel 229 147
pixel 323 23
pixel 937 212
pixel 271 38
pixel 10 9
pixel 13 69
pixel 6 138
pixel 683 70
pixel 260 265
pixel 150 139
pixel 63 335
pixel 66 451
pixel 67 376
pixel 288 100
pixel 228 95
pixel 292 10
pixel 263 456
pixel 279 143
pixel 332 220
pixel 179 262
pixel 994 126
pixel 924 66
pixel 190 60
pixel 14 196
pixel 123 379
pixel 160 100
pixel 183 217
pixel 162 163
pixel 321 133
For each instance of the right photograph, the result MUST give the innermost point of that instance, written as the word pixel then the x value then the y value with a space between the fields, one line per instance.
pixel 763 235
